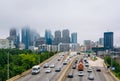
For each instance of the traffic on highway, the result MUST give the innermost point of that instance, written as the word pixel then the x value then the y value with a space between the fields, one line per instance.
pixel 50 71
pixel 82 69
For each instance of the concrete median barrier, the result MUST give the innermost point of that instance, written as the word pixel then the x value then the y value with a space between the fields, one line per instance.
pixel 29 71
pixel 65 71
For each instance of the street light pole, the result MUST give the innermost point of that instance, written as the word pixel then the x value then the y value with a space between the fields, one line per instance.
pixel 39 58
pixel 8 66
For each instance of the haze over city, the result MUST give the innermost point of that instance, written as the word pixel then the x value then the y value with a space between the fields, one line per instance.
pixel 89 18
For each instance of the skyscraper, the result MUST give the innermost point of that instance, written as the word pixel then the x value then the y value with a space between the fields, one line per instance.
pixel 57 38
pixel 13 32
pixel 108 40
pixel 26 37
pixel 33 37
pixel 74 38
pixel 13 36
pixel 65 36
pixel 48 37
pixel 18 41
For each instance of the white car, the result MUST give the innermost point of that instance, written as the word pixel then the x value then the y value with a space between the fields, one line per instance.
pixel 48 70
pixel 35 69
pixel 52 66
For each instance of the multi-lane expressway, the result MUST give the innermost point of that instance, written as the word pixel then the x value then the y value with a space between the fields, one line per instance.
pixel 42 76
pixel 103 75
pixel 54 76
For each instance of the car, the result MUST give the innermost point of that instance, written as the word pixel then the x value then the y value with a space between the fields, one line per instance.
pixel 98 70
pixel 61 56
pixel 65 62
pixel 70 75
pixel 57 69
pixel 78 53
pixel 52 66
pixel 85 60
pixel 86 64
pixel 74 66
pixel 80 73
pixel 75 62
pixel 89 69
pixel 46 65
pixel 90 76
pixel 35 69
pixel 48 70
pixel 59 59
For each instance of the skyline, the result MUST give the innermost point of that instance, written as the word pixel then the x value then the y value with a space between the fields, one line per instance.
pixel 90 19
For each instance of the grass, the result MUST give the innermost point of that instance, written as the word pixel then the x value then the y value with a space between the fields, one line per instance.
pixel 94 59
pixel 115 74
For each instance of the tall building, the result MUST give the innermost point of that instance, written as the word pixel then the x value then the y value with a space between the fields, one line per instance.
pixel 40 41
pixel 101 41
pixel 33 37
pixel 18 41
pixel 48 37
pixel 88 44
pixel 13 36
pixel 65 36
pixel 74 38
pixel 57 38
pixel 108 40
pixel 26 37
pixel 13 32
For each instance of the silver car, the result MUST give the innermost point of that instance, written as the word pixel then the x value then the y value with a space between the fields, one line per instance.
pixel 90 76
pixel 48 70
pixel 81 73
pixel 52 66
pixel 89 69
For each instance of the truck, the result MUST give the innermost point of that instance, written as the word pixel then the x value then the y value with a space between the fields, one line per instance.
pixel 80 66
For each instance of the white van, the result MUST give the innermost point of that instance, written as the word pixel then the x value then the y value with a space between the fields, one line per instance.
pixel 35 69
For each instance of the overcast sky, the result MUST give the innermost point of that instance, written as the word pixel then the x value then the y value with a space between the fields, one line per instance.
pixel 89 18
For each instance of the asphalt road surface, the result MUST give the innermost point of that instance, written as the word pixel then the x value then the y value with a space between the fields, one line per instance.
pixel 98 76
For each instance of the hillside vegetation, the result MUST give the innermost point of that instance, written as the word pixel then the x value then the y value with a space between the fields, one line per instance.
pixel 19 61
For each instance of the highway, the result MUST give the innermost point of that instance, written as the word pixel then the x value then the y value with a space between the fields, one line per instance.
pixel 42 76
pixel 98 76
pixel 53 76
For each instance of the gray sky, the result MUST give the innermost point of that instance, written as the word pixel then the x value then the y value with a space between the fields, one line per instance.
pixel 89 18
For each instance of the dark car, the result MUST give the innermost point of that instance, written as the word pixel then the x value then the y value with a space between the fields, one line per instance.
pixel 98 70
pixel 76 61
pixel 57 69
pixel 70 75
pixel 78 53
pixel 59 59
